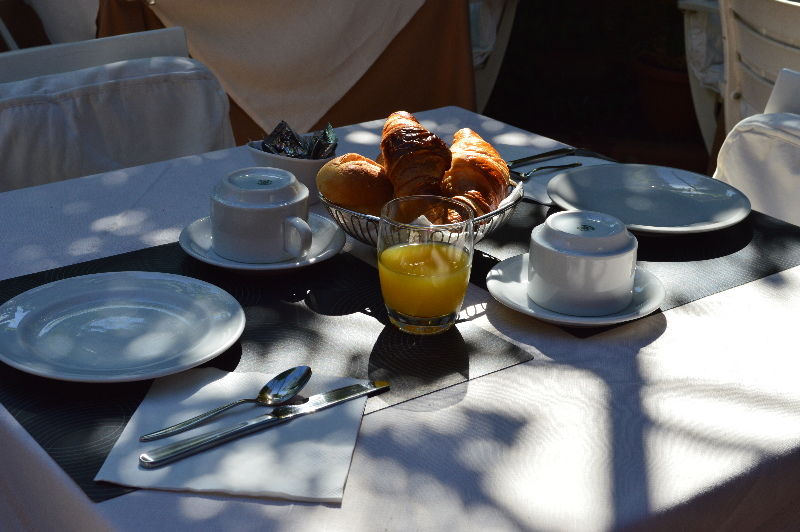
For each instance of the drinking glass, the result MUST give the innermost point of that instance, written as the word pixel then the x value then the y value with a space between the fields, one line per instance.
pixel 425 248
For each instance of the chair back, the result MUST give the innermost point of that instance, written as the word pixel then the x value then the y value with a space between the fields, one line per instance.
pixel 760 38
pixel 65 57
pixel 85 111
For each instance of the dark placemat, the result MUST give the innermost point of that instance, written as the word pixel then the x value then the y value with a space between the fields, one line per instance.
pixel 329 316
pixel 691 266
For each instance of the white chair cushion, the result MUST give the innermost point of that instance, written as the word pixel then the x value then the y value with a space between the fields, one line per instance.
pixel 761 157
pixel 107 117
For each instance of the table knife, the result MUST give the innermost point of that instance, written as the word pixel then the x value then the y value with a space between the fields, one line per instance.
pixel 555 154
pixel 281 414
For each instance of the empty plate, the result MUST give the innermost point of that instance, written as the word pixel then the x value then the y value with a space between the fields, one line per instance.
pixel 651 199
pixel 119 326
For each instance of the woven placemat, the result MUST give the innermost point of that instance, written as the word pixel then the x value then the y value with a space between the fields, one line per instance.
pixel 329 316
pixel 691 266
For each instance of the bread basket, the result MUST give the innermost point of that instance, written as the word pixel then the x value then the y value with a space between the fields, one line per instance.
pixel 364 227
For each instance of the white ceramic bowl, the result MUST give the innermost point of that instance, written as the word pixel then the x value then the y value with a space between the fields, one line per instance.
pixel 582 263
pixel 305 170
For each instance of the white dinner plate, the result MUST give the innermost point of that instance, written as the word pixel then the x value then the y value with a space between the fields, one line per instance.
pixel 117 327
pixel 651 199
pixel 508 284
pixel 327 240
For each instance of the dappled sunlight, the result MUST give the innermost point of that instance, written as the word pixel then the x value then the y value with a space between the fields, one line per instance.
pixel 30 253
pixel 471 311
pixel 125 223
pixel 199 509
pixel 85 246
pixel 553 444
pixel 682 466
pixel 161 236
pixel 115 178
pixel 76 208
pixel 368 138
pixel 515 138
pixel 729 415
pixel 444 128
pixel 491 125
pixel 639 203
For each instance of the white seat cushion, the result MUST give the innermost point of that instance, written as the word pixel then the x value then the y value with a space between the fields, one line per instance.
pixel 761 157
pixel 108 117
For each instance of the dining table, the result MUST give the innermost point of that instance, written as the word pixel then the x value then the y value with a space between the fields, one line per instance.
pixel 687 418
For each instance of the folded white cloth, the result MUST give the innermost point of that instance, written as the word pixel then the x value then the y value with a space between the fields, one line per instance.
pixel 785 95
pixel 761 157
pixel 306 459
pixel 287 60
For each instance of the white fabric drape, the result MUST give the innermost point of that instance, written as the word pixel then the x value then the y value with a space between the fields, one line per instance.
pixel 287 60
pixel 761 157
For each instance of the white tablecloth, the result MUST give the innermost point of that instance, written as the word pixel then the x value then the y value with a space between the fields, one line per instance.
pixel 592 434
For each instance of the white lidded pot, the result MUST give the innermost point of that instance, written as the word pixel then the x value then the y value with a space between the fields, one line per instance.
pixel 259 215
pixel 582 263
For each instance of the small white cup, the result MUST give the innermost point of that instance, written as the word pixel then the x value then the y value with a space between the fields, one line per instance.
pixel 305 170
pixel 582 263
pixel 258 215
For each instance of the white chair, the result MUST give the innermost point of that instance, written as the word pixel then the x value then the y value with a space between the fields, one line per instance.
pixel 760 38
pixel 65 57
pixel 76 109
pixel 761 154
pixel 761 157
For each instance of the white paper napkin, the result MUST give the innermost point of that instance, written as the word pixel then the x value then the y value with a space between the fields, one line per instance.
pixel 306 459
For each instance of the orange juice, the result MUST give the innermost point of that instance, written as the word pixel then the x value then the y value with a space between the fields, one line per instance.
pixel 424 280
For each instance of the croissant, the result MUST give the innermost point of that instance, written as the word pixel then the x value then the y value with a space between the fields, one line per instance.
pixel 414 158
pixel 478 175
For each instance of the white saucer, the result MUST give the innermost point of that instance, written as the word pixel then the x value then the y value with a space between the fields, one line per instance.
pixel 508 283
pixel 327 240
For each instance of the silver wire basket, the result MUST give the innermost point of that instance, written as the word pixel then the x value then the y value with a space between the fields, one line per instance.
pixel 364 227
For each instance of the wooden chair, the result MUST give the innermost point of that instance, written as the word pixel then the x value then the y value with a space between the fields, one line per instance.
pixel 760 37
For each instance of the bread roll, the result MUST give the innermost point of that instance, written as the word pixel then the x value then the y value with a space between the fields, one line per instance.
pixel 478 175
pixel 355 182
pixel 415 159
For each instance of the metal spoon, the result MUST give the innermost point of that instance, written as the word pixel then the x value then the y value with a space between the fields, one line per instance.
pixel 280 389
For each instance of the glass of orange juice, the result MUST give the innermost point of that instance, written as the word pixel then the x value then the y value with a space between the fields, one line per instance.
pixel 425 248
